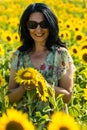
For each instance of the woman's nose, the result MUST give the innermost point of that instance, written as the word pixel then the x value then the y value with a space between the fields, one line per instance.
pixel 38 28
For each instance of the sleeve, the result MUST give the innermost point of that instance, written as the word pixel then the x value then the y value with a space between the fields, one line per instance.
pixel 61 63
pixel 64 61
pixel 14 60
pixel 70 60
pixel 65 58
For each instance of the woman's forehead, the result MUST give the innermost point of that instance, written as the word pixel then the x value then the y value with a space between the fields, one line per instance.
pixel 38 16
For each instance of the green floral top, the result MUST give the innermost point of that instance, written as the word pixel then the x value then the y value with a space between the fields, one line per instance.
pixel 53 68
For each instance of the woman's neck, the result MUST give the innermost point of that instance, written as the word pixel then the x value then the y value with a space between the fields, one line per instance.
pixel 40 48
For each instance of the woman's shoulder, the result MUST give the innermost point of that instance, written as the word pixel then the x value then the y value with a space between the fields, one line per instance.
pixel 18 52
pixel 63 54
pixel 15 55
pixel 61 50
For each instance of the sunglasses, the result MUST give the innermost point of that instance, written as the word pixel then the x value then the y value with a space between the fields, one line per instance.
pixel 34 24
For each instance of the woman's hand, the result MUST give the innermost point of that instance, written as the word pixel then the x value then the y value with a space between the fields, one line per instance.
pixel 28 87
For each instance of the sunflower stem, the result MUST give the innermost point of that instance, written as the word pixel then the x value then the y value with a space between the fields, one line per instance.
pixel 29 104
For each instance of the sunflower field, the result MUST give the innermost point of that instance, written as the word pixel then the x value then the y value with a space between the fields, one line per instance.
pixel 72 21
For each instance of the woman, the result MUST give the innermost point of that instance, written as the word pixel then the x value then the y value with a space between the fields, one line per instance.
pixel 42 49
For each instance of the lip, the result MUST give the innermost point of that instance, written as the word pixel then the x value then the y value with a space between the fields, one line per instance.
pixel 39 35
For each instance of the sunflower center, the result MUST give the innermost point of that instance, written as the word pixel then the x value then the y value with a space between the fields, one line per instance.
pixel 26 75
pixel 63 128
pixel 40 87
pixel 74 50
pixel 85 57
pixel 8 38
pixel 79 37
pixel 16 37
pixel 68 26
pixel 84 47
pixel 13 125
pixel 62 35
pixel 76 29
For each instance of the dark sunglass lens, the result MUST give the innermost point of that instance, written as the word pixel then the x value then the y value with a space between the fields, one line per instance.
pixel 32 24
pixel 43 24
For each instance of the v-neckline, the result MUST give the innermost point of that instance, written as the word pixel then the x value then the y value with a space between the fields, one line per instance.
pixel 44 61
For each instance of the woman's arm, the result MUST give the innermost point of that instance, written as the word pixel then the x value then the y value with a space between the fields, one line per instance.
pixel 15 92
pixel 66 84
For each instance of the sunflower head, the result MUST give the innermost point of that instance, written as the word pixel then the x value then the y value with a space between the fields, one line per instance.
pixel 26 76
pixel 15 120
pixel 41 90
pixel 32 77
pixel 83 56
pixel 1 50
pixel 85 93
pixel 62 121
pixel 2 81
pixel 13 125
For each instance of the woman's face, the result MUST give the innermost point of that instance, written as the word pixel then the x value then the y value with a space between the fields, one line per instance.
pixel 39 32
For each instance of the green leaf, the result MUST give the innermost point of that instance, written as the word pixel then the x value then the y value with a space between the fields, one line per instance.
pixel 74 110
pixel 44 119
pixel 38 114
pixel 47 109
pixel 59 102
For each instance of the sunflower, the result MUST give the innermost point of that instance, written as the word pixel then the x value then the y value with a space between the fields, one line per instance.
pixel 65 35
pixel 7 36
pixel 42 90
pixel 15 120
pixel 32 77
pixel 27 76
pixel 2 81
pixel 1 50
pixel 74 50
pixel 2 7
pixel 77 27
pixel 3 18
pixel 83 45
pixel 62 121
pixel 13 21
pixel 79 36
pixel 68 24
pixel 85 93
pixel 83 56
pixel 16 37
pixel 60 22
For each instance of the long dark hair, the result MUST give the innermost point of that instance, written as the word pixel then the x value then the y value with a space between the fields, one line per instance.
pixel 53 38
